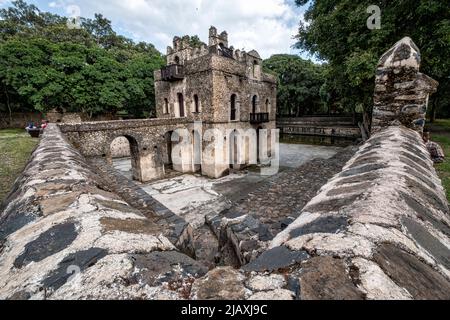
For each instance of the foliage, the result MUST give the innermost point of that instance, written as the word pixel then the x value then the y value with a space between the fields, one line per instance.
pixel 46 65
pixel 16 146
pixel 299 84
pixel 336 32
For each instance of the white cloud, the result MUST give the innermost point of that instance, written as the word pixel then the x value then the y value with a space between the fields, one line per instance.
pixel 265 25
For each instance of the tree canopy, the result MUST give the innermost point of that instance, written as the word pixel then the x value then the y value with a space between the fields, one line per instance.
pixel 45 65
pixel 337 32
pixel 299 85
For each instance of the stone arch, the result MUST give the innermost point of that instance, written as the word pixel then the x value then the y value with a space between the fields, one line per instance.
pixel 177 60
pixel 122 146
pixel 169 144
pixel 196 104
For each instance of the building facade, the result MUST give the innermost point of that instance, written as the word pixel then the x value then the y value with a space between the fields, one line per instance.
pixel 224 89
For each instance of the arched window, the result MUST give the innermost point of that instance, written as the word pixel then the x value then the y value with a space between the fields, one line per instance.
pixel 233 108
pixel 267 105
pixel 255 67
pixel 181 105
pixel 196 104
pixel 166 106
pixel 254 103
pixel 177 60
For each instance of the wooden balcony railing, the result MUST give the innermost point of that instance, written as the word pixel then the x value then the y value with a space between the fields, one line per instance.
pixel 172 72
pixel 260 117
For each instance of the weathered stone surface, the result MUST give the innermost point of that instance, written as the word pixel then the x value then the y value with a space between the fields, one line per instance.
pixel 427 241
pixel 222 283
pixel 138 226
pixel 266 283
pixel 279 294
pixel 48 243
pixel 328 224
pixel 58 203
pixel 275 259
pixel 407 271
pixel 325 278
pixel 400 89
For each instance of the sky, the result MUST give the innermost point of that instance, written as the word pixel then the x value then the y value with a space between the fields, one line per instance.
pixel 267 26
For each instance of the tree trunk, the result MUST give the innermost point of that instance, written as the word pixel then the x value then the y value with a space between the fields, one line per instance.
pixel 433 110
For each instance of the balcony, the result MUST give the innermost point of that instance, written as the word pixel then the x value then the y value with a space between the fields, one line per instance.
pixel 226 52
pixel 261 117
pixel 173 72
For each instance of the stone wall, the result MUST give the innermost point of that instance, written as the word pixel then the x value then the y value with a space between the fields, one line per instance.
pixel 320 126
pixel 20 120
pixel 380 229
pixel 401 91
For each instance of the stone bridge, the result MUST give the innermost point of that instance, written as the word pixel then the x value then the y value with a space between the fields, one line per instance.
pixel 150 143
pixel 379 229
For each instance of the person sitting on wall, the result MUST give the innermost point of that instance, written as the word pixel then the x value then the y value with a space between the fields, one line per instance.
pixel 435 150
pixel 44 124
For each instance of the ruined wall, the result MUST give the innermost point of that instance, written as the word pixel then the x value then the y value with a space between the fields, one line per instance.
pixel 320 126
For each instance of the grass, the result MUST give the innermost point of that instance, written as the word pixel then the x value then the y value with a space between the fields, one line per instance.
pixel 16 146
pixel 440 133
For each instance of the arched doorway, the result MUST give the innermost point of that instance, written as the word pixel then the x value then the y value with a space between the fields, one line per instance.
pixel 181 105
pixel 168 162
pixel 124 155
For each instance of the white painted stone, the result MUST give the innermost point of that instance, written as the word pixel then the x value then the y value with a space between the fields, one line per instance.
pixel 266 283
pixel 376 284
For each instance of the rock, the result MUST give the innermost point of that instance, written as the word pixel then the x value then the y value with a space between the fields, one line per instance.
pixel 325 278
pixel 223 283
pixel 157 268
pixel 275 259
pixel 48 243
pixel 266 283
pixel 279 294
pixel 58 203
pixel 407 271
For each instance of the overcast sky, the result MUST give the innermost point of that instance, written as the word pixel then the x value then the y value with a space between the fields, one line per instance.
pixel 265 25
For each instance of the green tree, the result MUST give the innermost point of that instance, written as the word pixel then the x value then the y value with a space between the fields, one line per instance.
pixel 299 84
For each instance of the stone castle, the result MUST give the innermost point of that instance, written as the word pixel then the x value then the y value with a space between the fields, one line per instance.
pixel 223 88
